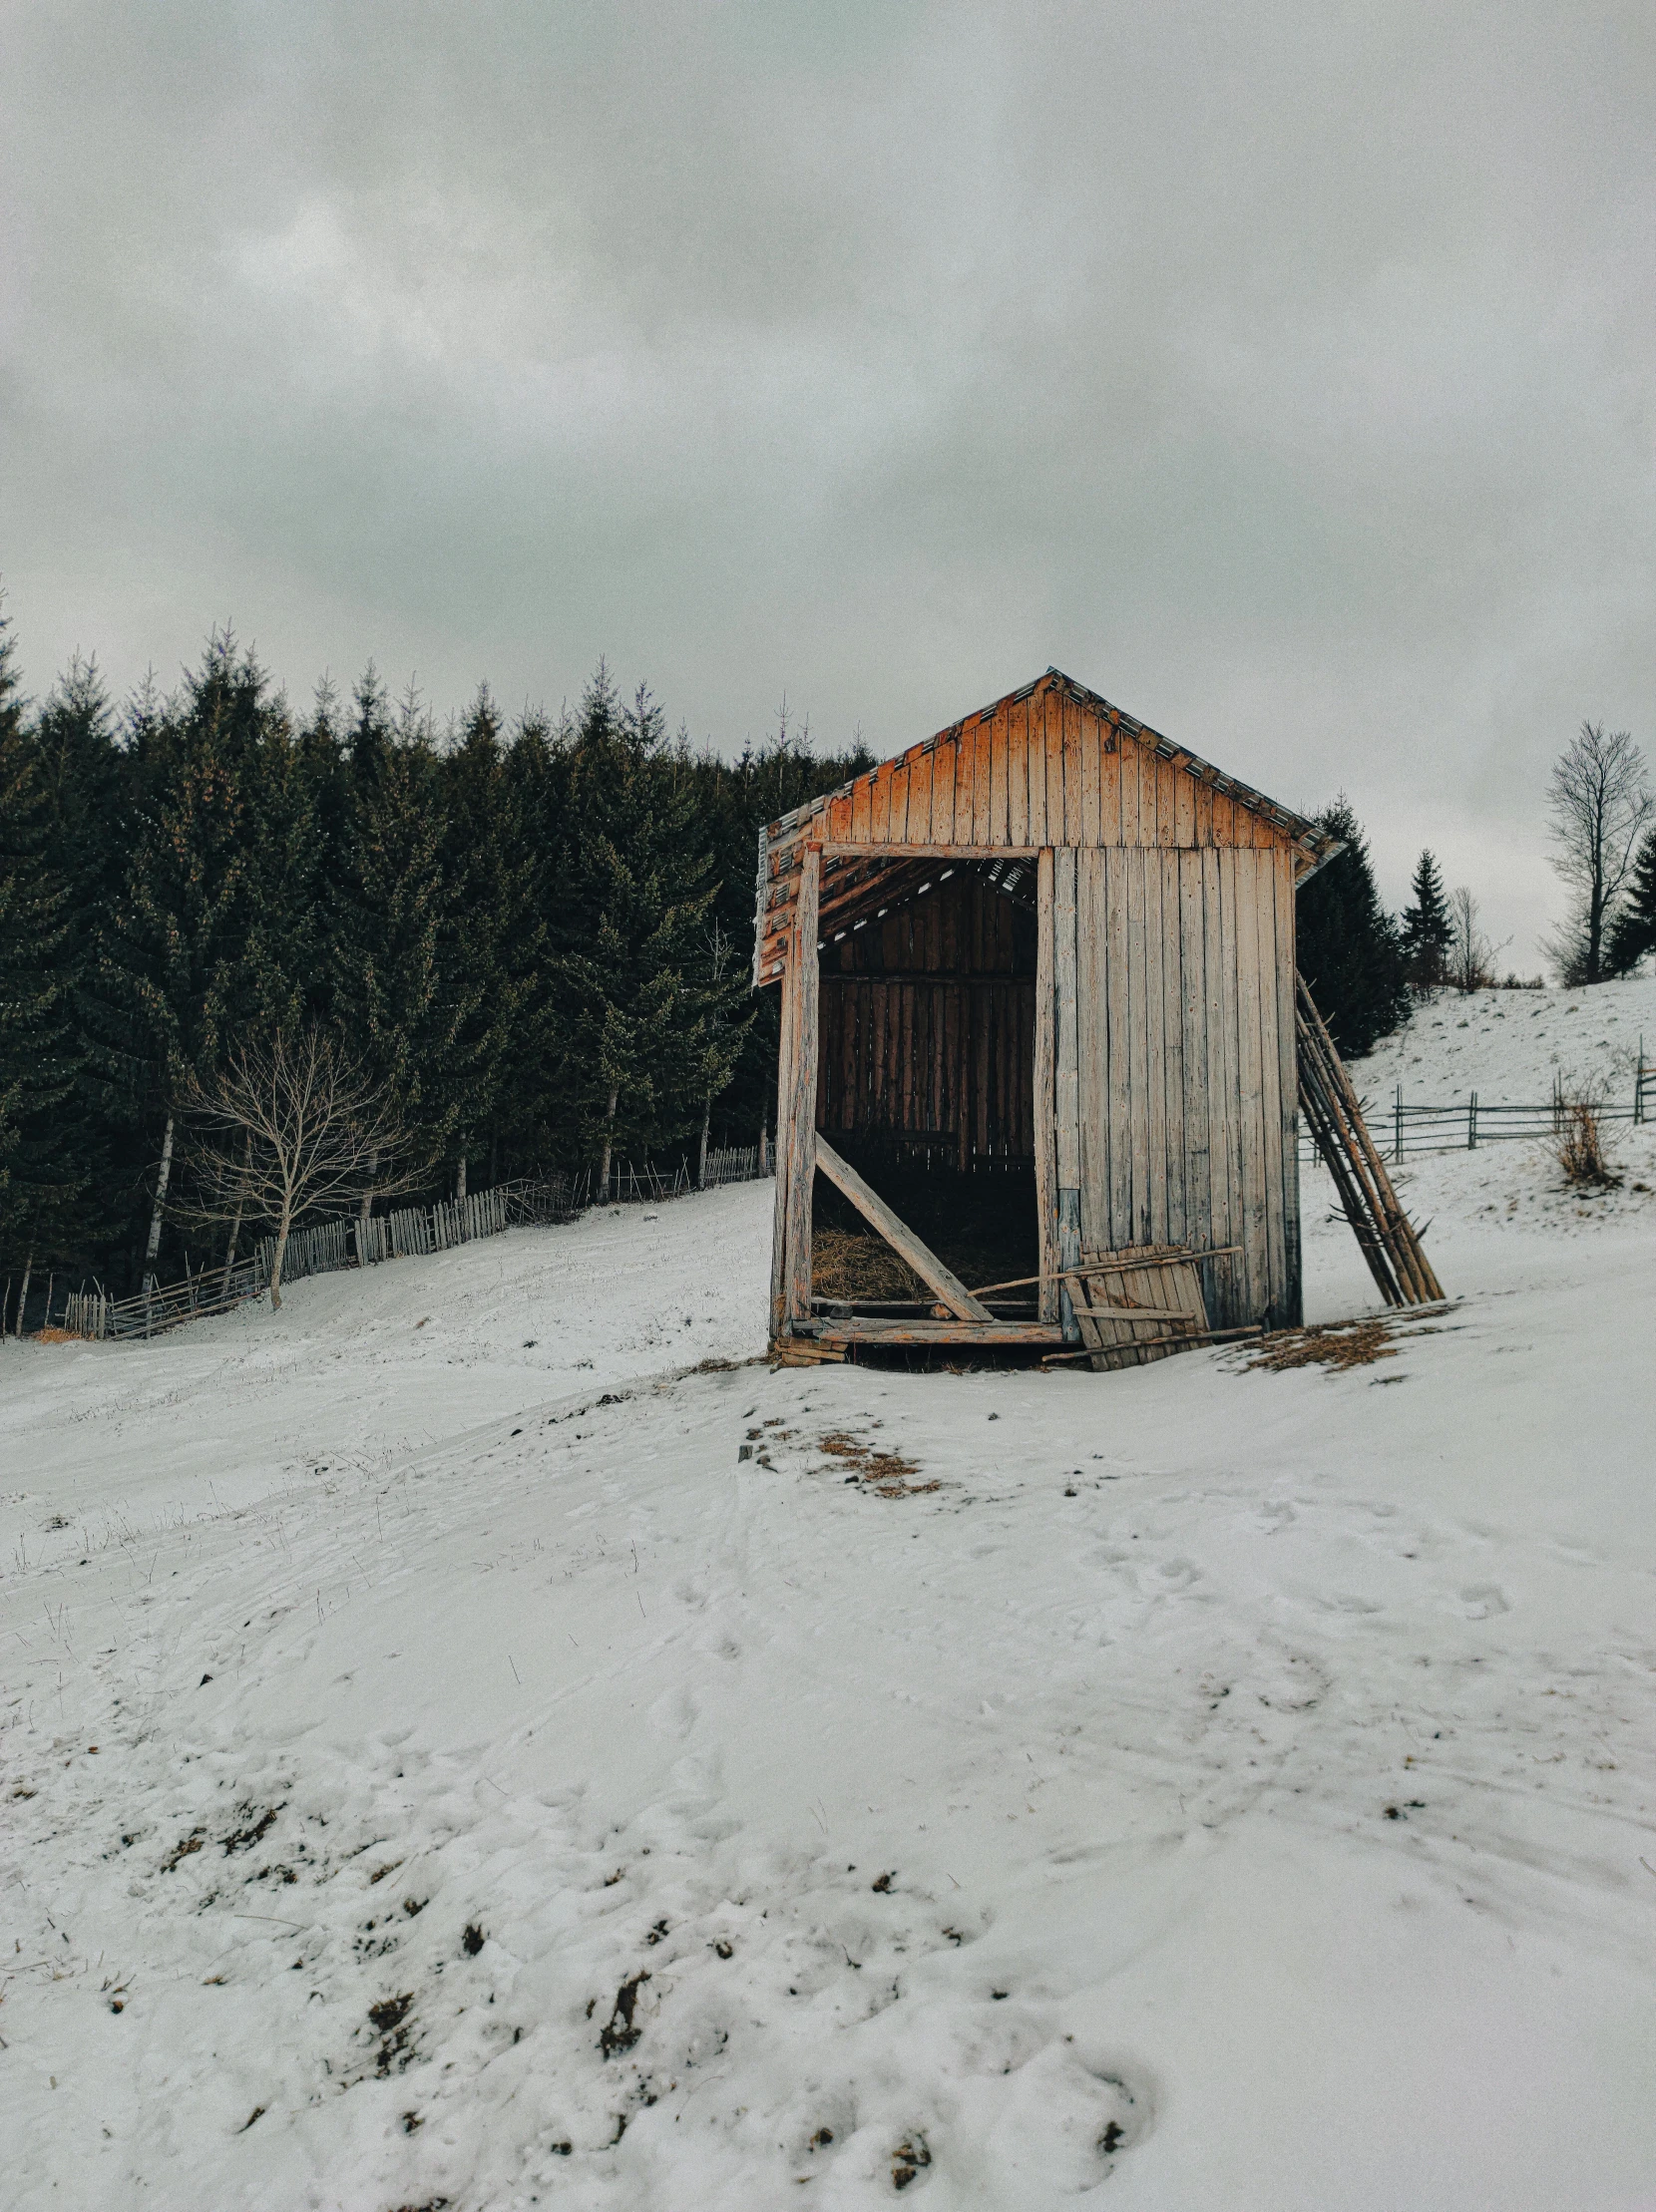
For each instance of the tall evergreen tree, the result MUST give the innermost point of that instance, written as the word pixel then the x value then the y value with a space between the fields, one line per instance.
pixel 43 1175
pixel 183 955
pixel 88 782
pixel 1633 933
pixel 641 1041
pixel 1428 930
pixel 386 983
pixel 734 800
pixel 493 942
pixel 1349 948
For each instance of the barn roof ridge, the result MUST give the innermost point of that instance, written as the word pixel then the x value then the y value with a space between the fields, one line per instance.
pixel 1299 827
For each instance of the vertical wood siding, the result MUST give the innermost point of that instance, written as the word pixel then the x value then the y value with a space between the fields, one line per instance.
pixel 1185 1101
pixel 1040 770
pixel 1045 768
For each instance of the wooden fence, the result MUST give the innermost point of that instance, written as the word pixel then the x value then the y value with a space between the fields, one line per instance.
pixel 406 1233
pixel 1464 1123
pixel 213 1291
pixel 1466 1126
pixel 345 1242
pixel 735 1164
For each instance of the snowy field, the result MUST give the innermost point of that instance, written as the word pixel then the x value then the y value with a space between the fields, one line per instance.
pixel 439 1770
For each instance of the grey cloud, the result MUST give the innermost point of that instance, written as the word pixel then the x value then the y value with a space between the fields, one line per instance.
pixel 1285 372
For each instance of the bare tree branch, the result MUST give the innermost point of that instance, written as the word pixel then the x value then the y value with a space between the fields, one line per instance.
pixel 1600 800
pixel 305 1128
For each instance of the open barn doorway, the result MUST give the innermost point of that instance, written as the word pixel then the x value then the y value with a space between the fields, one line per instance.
pixel 926 978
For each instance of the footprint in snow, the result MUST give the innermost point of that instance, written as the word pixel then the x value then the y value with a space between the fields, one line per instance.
pixel 1068 2117
pixel 674 1712
pixel 1484 1600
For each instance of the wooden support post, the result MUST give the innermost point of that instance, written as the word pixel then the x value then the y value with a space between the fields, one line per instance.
pixel 803 1049
pixel 1067 1076
pixel 1045 1091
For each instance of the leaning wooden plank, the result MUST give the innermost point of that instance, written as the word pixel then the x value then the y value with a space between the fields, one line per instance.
pixel 1101 1264
pixel 1419 1283
pixel 950 1288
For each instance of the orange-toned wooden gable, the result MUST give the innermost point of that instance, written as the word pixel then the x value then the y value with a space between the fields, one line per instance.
pixel 1052 765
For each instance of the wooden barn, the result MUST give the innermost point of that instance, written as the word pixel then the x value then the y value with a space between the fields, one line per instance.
pixel 1038 1043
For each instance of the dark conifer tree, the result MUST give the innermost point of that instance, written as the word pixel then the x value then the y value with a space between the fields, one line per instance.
pixel 1348 949
pixel 44 1172
pixel 493 942
pixel 1428 932
pixel 640 1042
pixel 87 776
pixel 733 801
pixel 289 790
pixel 177 955
pixel 1633 933
pixel 535 801
pixel 387 918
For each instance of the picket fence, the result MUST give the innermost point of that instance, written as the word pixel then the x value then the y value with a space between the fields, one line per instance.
pixel 345 1242
pixel 406 1233
pixel 733 1164
pixel 163 1306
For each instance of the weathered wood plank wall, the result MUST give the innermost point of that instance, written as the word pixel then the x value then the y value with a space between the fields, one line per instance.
pixel 1178 1126
pixel 927 1026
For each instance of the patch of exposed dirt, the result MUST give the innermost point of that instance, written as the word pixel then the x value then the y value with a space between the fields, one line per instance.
pixel 620 2033
pixel 888 1473
pixel 389 2020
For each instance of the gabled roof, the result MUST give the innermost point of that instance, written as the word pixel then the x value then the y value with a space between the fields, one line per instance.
pixel 1048 763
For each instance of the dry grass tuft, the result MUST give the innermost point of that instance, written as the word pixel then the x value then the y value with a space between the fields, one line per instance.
pixel 1340 1344
pixel 1578 1146
pixel 1332 1345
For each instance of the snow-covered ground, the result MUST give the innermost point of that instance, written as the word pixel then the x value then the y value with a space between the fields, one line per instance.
pixel 1509 1045
pixel 439 1769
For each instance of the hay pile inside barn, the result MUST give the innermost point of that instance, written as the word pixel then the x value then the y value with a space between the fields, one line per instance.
pixel 857 1264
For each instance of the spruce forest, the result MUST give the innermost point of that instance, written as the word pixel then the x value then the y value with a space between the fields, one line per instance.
pixel 534 935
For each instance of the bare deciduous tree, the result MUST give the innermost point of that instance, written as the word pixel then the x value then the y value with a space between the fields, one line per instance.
pixel 1600 800
pixel 287 1127
pixel 1469 962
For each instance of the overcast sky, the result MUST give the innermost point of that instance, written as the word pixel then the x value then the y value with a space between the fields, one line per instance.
pixel 1283 372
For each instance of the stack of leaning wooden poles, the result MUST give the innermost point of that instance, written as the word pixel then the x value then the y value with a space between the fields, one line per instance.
pixel 1390 1245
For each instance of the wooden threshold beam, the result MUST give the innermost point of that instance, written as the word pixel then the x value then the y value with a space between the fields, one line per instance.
pixel 951 1290
pixel 861 1329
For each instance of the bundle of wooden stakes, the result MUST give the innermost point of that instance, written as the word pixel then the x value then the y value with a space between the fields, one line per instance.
pixel 1388 1237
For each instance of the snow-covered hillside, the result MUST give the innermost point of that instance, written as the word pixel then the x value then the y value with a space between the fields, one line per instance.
pixel 1511 1045
pixel 440 1769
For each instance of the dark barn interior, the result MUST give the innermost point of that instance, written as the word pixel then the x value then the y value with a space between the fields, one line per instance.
pixel 926 1079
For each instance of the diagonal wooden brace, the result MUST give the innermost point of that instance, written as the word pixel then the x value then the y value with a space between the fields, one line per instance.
pixel 950 1290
